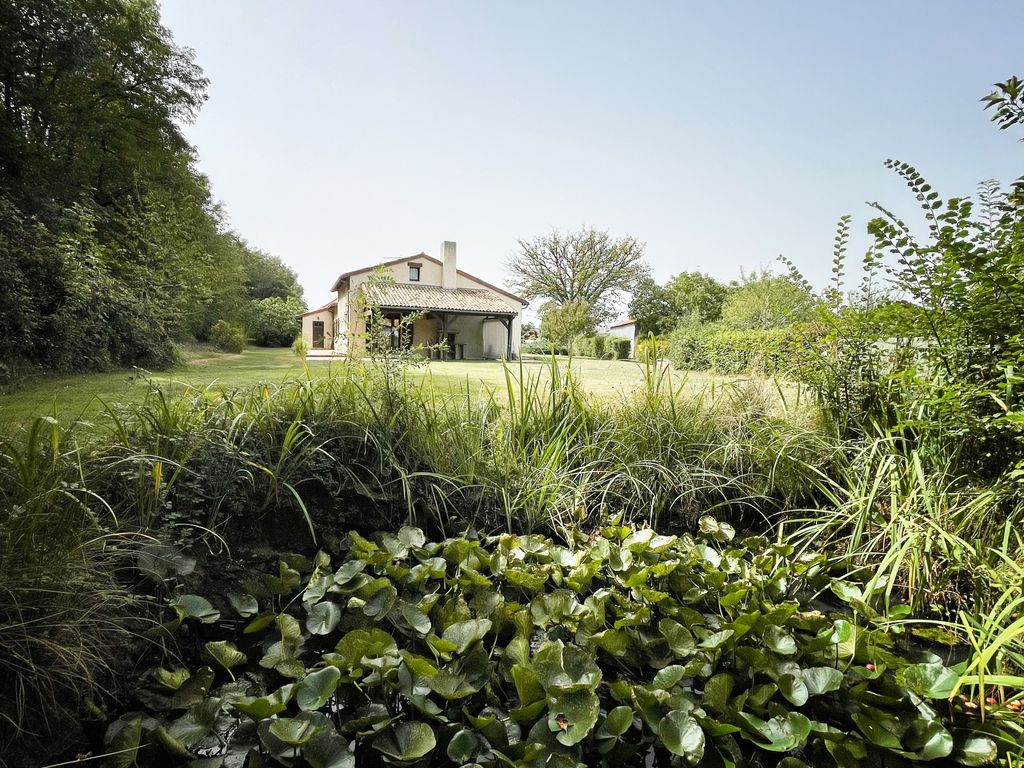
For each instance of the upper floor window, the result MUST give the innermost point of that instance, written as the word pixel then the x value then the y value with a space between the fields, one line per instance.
pixel 414 273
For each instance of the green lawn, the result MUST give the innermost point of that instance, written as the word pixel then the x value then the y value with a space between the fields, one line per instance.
pixel 82 396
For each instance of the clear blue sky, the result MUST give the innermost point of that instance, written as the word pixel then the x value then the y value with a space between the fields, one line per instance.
pixel 721 134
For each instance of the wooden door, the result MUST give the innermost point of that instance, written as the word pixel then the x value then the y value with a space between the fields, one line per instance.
pixel 318 334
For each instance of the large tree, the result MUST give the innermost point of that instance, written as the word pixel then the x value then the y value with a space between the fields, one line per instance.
pixel 587 266
pixel 651 308
pixel 111 247
pixel 696 297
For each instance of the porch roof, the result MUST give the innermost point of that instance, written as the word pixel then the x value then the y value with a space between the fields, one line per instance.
pixel 432 298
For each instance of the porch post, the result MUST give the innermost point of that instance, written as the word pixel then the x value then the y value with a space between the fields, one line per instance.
pixel 507 322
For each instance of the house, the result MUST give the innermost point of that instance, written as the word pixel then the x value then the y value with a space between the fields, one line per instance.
pixel 625 330
pixel 470 318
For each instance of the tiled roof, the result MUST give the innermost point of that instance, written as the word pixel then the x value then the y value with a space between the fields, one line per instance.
pixel 420 257
pixel 432 297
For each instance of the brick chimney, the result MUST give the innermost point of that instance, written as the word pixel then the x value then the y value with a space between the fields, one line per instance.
pixel 449 275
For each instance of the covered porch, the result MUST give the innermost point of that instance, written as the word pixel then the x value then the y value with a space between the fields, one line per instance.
pixel 449 335
pixel 449 324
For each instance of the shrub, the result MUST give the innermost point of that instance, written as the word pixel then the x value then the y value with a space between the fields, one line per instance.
pixel 625 648
pixel 649 349
pixel 228 337
pixel 593 346
pixel 770 352
pixel 542 347
pixel 619 348
pixel 274 322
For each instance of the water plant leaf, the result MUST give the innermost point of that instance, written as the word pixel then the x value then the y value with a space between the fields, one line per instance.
pixel 196 724
pixel 314 690
pixel 328 750
pixel 360 644
pixel 573 715
pixel 195 607
pixel 245 605
pixel 821 680
pixel 618 721
pixel 172 679
pixel 289 628
pixel 933 681
pixel 977 750
pixel 463 746
pixel 405 742
pixel 781 733
pixel 793 688
pixel 780 641
pixel 323 618
pixel 682 735
pixel 224 653
pixel 463 634
pixel 293 731
pixel 565 669
pixel 193 690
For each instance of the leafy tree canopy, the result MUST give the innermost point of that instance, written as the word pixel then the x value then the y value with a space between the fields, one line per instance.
pixel 765 301
pixel 583 267
pixel 562 324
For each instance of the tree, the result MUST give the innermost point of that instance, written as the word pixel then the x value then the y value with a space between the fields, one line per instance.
pixel 561 324
pixel 652 309
pixel 766 301
pixel 697 298
pixel 584 267
pixel 274 322
pixel 267 276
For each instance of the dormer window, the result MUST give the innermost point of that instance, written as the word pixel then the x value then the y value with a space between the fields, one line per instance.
pixel 414 273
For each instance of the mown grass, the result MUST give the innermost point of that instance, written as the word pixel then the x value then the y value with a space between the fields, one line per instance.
pixel 85 396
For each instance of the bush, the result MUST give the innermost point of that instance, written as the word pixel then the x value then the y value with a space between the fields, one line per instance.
pixel 649 349
pixel 593 346
pixel 542 347
pixel 619 348
pixel 770 352
pixel 274 322
pixel 228 337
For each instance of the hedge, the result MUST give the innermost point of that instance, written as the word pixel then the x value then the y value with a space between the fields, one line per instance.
pixel 769 352
pixel 647 349
pixel 620 348
pixel 593 346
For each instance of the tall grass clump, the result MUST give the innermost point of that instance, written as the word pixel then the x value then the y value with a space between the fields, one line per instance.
pixel 63 611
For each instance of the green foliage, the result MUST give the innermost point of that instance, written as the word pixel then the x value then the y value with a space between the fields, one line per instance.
pixel 697 298
pixel 583 268
pixel 274 322
pixel 770 352
pixel 765 301
pixel 620 648
pixel 598 346
pixel 651 307
pixel 228 337
pixel 62 608
pixel 111 247
pixel 689 298
pixel 619 347
pixel 651 350
pixel 562 324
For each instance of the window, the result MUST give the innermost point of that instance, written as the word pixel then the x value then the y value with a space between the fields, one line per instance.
pixel 414 273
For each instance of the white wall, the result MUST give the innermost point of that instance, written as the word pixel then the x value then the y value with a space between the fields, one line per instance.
pixel 327 317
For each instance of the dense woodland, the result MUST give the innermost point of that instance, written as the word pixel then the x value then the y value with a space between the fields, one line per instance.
pixel 112 248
